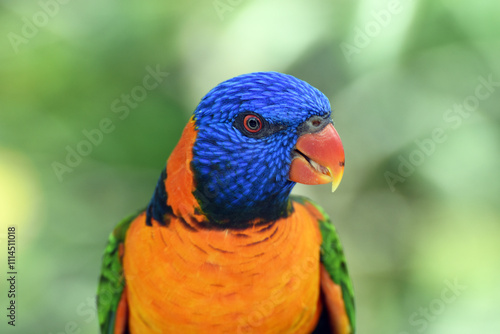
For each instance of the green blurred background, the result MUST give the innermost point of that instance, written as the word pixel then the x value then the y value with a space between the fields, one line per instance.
pixel 418 209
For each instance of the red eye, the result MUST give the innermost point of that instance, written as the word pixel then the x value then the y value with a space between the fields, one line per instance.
pixel 252 123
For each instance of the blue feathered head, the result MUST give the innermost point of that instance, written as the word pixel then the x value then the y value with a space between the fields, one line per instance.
pixel 247 145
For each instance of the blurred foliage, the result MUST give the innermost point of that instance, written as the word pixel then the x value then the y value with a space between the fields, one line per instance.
pixel 404 242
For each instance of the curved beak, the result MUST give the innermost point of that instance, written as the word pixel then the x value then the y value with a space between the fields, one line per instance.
pixel 318 158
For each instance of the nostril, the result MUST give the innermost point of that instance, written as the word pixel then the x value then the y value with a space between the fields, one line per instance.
pixel 314 124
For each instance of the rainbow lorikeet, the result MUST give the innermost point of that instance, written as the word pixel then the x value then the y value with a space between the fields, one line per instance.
pixel 222 246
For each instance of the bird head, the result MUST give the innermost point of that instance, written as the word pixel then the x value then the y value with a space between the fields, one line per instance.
pixel 257 135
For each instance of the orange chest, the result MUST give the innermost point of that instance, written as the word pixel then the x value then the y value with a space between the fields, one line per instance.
pixel 259 280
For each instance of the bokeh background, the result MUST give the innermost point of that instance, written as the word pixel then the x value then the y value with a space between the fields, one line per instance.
pixel 415 87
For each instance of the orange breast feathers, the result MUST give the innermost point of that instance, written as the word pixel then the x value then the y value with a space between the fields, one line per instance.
pixel 259 280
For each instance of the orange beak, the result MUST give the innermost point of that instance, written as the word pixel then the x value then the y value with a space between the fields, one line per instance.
pixel 318 158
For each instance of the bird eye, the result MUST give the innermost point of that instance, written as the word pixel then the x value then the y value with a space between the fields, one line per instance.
pixel 252 123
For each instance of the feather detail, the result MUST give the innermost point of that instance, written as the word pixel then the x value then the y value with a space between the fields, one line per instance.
pixel 263 279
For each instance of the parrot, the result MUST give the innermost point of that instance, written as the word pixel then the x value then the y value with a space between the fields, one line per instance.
pixel 223 246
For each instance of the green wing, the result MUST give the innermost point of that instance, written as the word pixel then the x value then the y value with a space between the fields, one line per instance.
pixel 332 257
pixel 112 281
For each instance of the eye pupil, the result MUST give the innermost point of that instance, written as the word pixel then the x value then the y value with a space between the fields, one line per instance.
pixel 252 123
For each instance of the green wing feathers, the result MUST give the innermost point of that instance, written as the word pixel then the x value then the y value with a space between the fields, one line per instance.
pixel 333 259
pixel 112 282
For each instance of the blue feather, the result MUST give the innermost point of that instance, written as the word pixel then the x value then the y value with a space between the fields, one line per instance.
pixel 239 178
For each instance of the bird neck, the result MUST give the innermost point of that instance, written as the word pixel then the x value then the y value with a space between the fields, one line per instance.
pixel 179 183
pixel 177 193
